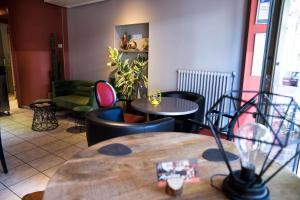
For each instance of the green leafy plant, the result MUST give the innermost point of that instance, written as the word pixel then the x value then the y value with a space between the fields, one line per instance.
pixel 129 75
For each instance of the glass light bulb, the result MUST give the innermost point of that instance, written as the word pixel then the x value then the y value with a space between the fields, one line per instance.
pixel 249 148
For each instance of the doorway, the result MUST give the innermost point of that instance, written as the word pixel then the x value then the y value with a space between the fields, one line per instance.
pixel 285 69
pixel 7 65
pixel 272 61
pixel 6 58
pixel 286 75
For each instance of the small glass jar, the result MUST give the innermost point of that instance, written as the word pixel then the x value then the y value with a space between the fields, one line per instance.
pixel 154 96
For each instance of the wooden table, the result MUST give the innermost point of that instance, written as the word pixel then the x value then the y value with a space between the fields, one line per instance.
pixel 169 106
pixel 90 175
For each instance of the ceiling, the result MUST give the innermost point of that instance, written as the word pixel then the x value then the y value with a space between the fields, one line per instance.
pixel 71 3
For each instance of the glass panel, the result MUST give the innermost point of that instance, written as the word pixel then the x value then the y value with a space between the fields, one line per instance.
pixel 287 70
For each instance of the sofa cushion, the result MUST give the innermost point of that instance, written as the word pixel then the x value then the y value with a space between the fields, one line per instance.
pixel 63 88
pixel 82 91
pixel 71 101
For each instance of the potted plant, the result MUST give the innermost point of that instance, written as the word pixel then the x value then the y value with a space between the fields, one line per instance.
pixel 130 77
pixel 140 69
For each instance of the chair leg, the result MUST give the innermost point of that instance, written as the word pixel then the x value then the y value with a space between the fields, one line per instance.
pixel 2 158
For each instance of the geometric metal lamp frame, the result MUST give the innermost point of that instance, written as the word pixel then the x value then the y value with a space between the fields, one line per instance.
pixel 278 113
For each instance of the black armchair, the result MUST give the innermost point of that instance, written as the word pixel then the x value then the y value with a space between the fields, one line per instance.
pixel 232 118
pixel 181 121
pixel 109 123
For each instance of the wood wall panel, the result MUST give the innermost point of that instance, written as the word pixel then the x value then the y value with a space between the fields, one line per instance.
pixel 31 23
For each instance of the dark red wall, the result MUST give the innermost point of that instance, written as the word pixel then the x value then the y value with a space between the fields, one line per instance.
pixel 30 23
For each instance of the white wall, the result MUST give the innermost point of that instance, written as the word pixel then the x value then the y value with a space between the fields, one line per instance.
pixel 192 34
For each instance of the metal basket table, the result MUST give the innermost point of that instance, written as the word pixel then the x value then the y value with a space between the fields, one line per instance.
pixel 44 115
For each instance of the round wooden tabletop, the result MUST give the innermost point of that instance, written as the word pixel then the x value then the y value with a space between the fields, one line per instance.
pixel 90 175
pixel 169 106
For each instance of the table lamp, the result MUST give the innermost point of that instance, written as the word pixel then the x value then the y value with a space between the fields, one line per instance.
pixel 261 128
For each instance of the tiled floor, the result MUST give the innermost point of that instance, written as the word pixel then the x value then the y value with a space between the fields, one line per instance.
pixel 33 157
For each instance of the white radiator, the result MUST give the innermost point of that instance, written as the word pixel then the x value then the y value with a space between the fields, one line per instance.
pixel 212 85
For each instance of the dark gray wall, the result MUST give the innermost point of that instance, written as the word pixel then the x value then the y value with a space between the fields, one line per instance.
pixel 191 34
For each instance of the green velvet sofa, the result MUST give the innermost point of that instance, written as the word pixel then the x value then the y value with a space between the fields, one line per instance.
pixel 73 93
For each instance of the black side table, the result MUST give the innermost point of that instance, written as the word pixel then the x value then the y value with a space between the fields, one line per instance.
pixel 79 113
pixel 44 115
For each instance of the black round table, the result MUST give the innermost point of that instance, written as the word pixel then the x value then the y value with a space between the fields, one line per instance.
pixel 169 106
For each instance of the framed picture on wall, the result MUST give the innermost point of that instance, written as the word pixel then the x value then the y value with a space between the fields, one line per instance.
pixel 262 13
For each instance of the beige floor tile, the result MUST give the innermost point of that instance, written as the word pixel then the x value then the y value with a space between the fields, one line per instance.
pixel 6 124
pixel 74 139
pixel 57 130
pixel 17 174
pixel 83 134
pixel 30 135
pixel 12 162
pixel 50 172
pixel 82 145
pixel 61 127
pixel 6 135
pixel 9 116
pixel 60 135
pixel 21 118
pixel 55 146
pixel 35 183
pixel 67 153
pixel 27 123
pixel 20 131
pixel 46 162
pixel 11 141
pixel 6 154
pixel 4 121
pixel 3 118
pixel 2 186
pixel 20 114
pixel 45 139
pixel 24 145
pixel 67 121
pixel 18 148
pixel 6 194
pixel 13 126
pixel 32 154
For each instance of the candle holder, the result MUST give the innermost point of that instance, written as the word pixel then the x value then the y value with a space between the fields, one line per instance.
pixel 154 96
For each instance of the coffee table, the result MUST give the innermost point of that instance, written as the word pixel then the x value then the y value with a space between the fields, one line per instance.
pixel 90 175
